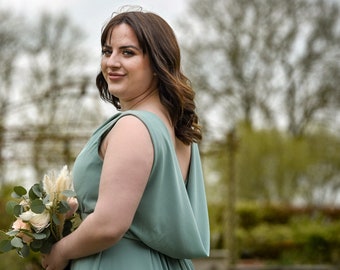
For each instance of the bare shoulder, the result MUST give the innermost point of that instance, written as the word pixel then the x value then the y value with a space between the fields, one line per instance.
pixel 128 132
pixel 130 124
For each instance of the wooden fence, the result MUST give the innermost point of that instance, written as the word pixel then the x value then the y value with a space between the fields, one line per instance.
pixel 218 260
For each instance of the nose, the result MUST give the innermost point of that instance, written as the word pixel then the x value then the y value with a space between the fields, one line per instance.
pixel 113 61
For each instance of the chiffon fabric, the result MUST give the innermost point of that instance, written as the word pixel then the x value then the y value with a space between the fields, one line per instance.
pixel 171 223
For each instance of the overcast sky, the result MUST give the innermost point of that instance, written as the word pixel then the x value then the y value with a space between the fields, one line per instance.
pixel 92 14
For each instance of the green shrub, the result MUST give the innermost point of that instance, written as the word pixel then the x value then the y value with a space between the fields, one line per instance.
pixel 288 235
pixel 248 215
pixel 265 241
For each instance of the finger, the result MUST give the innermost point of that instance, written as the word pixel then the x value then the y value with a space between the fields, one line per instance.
pixel 43 264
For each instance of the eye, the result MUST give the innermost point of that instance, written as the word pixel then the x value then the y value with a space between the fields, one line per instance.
pixel 106 52
pixel 128 52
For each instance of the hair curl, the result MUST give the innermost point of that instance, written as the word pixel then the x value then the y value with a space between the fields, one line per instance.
pixel 159 42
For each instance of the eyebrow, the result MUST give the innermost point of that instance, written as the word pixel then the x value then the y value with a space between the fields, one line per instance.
pixel 124 47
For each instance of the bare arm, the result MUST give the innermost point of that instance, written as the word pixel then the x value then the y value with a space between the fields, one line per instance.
pixel 128 157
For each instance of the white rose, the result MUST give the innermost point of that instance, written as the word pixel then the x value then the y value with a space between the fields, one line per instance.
pixel 38 221
pixel 26 216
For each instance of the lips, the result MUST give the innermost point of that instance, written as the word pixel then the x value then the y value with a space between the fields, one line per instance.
pixel 115 75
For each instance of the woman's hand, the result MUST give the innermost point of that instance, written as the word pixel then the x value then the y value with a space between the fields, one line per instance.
pixel 55 260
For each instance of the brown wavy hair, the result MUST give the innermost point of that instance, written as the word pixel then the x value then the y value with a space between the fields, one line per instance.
pixel 158 41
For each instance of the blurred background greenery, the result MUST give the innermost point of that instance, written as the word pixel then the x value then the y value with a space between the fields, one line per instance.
pixel 267 78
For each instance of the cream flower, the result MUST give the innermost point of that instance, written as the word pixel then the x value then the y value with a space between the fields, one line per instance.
pixel 38 221
pixel 26 216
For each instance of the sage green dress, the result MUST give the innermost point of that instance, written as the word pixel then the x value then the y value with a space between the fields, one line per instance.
pixel 171 223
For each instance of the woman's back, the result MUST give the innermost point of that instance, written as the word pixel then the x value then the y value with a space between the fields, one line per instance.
pixel 169 218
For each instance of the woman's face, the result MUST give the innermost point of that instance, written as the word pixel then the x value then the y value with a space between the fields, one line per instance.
pixel 126 69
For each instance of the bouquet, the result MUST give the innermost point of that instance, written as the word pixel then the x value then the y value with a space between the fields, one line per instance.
pixel 43 215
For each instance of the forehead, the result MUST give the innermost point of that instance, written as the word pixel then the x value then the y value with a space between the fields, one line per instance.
pixel 121 34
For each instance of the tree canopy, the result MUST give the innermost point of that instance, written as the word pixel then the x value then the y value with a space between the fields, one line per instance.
pixel 47 95
pixel 269 63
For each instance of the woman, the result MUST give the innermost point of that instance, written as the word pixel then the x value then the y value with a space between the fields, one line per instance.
pixel 139 179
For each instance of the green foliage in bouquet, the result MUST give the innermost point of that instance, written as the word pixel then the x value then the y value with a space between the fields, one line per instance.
pixel 43 215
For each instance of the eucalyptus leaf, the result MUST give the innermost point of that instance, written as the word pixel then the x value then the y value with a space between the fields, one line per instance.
pixel 24 251
pixel 15 196
pixel 63 207
pixel 39 236
pixel 47 232
pixel 12 232
pixel 10 207
pixel 20 191
pixel 31 194
pixel 37 206
pixel 46 199
pixel 46 247
pixel 17 242
pixel 27 232
pixel 17 210
pixel 69 193
pixel 36 245
pixel 36 191
pixel 55 219
pixel 5 246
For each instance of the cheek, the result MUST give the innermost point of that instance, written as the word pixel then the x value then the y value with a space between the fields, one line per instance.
pixel 146 71
pixel 103 65
pixel 149 74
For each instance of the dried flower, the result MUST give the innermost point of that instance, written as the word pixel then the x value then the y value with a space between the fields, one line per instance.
pixel 42 214
pixel 55 185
